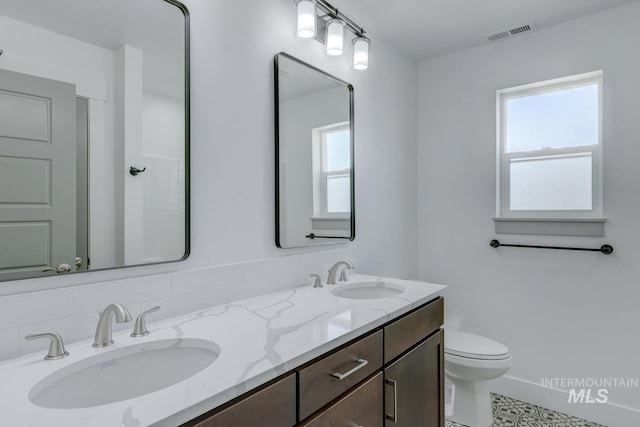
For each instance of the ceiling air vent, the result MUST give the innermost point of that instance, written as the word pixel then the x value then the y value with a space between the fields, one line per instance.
pixel 502 35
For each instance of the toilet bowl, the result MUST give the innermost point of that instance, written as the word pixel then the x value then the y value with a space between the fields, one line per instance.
pixel 470 362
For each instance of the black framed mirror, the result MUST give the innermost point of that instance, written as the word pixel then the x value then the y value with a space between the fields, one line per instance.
pixel 314 143
pixel 94 135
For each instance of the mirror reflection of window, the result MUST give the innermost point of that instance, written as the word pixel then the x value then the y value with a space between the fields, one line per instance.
pixel 337 170
pixel 332 171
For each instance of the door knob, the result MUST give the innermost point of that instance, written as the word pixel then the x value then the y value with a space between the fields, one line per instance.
pixel 62 268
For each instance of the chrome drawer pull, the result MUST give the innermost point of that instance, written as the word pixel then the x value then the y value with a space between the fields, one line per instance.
pixel 361 364
pixel 393 418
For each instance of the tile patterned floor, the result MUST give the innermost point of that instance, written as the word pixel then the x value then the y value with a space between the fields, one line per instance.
pixel 508 412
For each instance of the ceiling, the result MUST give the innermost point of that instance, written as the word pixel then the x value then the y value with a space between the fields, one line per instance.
pixel 425 29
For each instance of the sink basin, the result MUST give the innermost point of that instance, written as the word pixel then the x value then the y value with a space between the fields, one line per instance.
pixel 368 290
pixel 124 373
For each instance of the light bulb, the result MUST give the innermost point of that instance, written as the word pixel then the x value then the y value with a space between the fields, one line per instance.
pixel 360 53
pixel 306 19
pixel 335 37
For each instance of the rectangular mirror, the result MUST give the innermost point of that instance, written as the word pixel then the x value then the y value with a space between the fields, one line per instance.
pixel 314 155
pixel 94 135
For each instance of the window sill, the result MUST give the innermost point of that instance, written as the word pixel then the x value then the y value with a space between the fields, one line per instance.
pixel 551 226
pixel 320 223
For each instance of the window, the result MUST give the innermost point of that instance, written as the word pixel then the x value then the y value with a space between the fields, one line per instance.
pixel 550 149
pixel 332 171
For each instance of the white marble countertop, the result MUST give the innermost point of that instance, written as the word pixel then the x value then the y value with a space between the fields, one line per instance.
pixel 260 339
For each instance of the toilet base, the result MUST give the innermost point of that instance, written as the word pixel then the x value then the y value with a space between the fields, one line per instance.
pixel 472 403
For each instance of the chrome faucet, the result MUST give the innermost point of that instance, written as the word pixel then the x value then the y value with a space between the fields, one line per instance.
pixel 105 322
pixel 333 271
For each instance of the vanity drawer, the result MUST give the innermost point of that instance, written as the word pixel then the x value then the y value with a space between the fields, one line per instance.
pixel 360 407
pixel 407 331
pixel 317 383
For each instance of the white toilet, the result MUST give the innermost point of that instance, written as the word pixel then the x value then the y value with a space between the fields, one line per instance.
pixel 470 361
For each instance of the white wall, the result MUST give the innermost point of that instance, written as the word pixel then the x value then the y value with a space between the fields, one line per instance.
pixel 562 314
pixel 234 131
pixel 232 191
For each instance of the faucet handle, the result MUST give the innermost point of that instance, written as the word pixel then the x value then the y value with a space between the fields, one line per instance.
pixel 140 329
pixel 56 346
pixel 343 275
pixel 317 282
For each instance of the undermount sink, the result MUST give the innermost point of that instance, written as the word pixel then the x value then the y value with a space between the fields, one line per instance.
pixel 124 373
pixel 368 290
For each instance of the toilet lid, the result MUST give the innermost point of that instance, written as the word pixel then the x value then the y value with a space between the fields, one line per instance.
pixel 464 344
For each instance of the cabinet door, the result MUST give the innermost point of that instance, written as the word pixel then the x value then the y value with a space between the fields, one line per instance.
pixel 360 407
pixel 414 386
pixel 273 406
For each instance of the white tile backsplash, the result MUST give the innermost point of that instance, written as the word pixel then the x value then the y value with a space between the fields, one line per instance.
pixel 73 311
pixel 270 273
pixel 19 310
pixel 93 298
pixel 9 347
pixel 203 280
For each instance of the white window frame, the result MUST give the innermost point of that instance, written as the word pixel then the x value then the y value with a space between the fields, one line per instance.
pixel 504 159
pixel 321 174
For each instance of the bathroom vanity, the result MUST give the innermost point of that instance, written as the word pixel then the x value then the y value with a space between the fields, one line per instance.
pixel 394 375
pixel 368 351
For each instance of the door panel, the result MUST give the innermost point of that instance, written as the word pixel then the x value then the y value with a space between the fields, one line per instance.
pixel 24 117
pixel 37 174
pixel 34 176
pixel 29 243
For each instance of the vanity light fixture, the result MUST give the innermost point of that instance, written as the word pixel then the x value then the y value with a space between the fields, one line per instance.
pixel 360 53
pixel 320 20
pixel 335 37
pixel 306 19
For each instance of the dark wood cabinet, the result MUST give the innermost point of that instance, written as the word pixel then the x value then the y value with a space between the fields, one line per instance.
pixel 414 386
pixel 360 407
pixel 271 406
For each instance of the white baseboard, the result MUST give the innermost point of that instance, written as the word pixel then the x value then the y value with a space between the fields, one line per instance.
pixel 608 414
